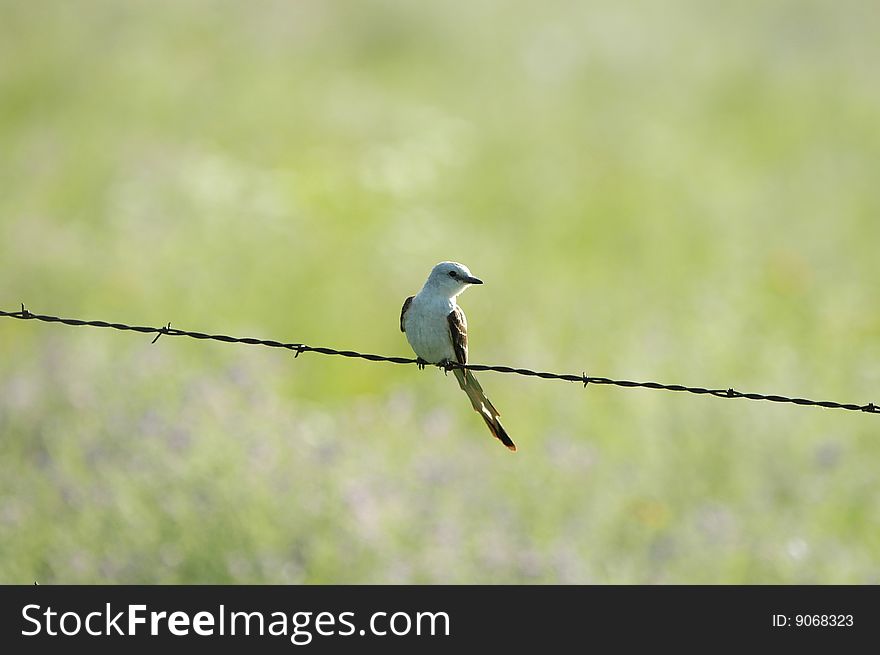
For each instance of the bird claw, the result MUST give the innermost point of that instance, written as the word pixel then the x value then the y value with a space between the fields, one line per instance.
pixel 421 363
pixel 446 365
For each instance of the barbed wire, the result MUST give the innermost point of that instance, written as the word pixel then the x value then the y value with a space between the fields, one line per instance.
pixel 299 348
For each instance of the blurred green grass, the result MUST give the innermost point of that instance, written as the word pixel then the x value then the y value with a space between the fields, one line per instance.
pixel 684 192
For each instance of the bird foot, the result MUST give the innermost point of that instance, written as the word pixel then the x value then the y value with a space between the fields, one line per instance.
pixel 421 363
pixel 446 365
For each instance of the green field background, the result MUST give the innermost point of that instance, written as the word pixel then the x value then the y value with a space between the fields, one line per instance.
pixel 680 191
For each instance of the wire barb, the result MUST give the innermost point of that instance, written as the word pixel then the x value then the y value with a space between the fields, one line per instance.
pixel 870 408
pixel 160 332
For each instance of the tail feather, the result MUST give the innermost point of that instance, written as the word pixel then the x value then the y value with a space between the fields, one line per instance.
pixel 483 406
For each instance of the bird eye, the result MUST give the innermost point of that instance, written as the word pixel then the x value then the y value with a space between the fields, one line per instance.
pixel 453 274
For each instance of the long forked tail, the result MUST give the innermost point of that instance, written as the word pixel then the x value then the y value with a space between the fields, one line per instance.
pixel 482 406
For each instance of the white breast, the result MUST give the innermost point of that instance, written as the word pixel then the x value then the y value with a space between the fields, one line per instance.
pixel 427 328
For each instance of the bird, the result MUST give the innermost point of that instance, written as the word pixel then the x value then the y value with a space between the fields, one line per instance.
pixel 436 329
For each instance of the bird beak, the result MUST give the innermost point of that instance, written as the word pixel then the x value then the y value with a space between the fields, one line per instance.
pixel 473 280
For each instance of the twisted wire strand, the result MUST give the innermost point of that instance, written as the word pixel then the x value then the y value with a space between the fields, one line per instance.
pixel 583 378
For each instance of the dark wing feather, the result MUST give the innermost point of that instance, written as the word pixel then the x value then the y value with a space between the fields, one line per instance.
pixel 406 304
pixel 458 332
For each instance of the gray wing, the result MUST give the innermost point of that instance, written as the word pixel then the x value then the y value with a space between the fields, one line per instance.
pixel 458 333
pixel 406 304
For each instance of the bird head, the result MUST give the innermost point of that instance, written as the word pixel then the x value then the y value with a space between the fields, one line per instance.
pixel 451 278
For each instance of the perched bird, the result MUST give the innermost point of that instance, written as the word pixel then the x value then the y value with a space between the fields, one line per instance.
pixel 436 328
